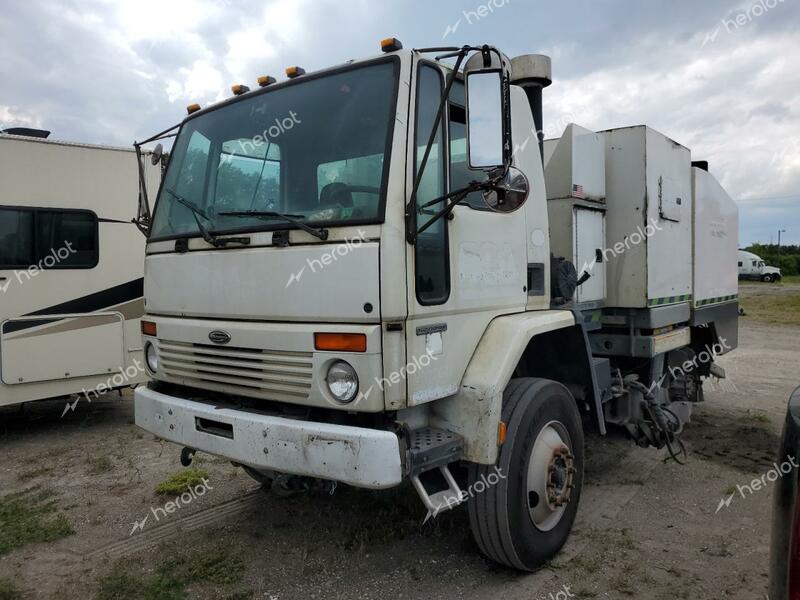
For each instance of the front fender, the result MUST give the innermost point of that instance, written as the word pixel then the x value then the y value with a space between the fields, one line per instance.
pixel 474 412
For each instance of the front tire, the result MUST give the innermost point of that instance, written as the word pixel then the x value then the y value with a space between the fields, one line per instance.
pixel 524 514
pixel 767 278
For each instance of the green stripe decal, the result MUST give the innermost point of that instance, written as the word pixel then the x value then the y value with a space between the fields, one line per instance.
pixel 717 300
pixel 669 300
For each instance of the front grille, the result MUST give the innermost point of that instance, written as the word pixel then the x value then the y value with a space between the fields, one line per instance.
pixel 269 374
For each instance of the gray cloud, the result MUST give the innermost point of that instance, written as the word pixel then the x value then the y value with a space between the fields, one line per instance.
pixel 112 72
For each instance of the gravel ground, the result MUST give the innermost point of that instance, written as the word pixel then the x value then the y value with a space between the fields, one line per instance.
pixel 646 529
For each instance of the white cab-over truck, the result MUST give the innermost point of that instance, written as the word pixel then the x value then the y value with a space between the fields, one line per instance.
pixel 369 274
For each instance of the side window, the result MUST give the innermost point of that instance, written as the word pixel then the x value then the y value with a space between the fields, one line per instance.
pixel 172 217
pixel 431 251
pixel 460 173
pixel 28 236
pixel 740 263
pixel 16 239
pixel 75 231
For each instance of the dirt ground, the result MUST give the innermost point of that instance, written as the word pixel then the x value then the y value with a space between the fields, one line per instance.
pixel 646 529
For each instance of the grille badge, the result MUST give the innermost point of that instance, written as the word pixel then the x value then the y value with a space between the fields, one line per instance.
pixel 219 337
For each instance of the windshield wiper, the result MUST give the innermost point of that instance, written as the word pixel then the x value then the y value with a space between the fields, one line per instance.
pixel 198 212
pixel 267 214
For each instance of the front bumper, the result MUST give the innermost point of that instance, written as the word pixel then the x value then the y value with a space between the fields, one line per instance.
pixel 368 458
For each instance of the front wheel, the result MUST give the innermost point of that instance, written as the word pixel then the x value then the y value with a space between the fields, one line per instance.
pixel 767 278
pixel 522 508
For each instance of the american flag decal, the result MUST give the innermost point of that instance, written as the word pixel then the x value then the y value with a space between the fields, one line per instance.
pixel 577 191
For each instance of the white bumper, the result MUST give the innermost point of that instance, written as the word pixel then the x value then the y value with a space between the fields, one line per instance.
pixel 368 458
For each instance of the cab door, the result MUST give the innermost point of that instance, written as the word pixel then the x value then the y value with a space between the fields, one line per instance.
pixel 465 271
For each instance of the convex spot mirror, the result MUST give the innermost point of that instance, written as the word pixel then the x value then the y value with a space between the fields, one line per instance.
pixel 158 152
pixel 485 119
pixel 510 192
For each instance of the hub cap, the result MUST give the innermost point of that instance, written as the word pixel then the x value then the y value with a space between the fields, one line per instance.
pixel 551 472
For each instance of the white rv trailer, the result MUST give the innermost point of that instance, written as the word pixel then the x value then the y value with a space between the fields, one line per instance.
pixel 71 268
pixel 393 287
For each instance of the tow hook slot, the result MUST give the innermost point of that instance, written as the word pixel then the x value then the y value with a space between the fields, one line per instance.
pixel 187 454
pixel 214 427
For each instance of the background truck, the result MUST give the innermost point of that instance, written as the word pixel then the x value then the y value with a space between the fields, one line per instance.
pixel 71 275
pixel 381 272
pixel 752 267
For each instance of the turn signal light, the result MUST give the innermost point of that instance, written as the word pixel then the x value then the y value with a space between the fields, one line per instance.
pixel 239 89
pixel 292 72
pixel 192 108
pixel 149 328
pixel 501 433
pixel 340 342
pixel 391 45
pixel 265 80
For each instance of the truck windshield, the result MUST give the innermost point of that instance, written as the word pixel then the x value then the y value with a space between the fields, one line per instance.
pixel 317 149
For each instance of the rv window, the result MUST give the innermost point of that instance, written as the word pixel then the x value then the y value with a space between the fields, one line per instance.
pixel 740 263
pixel 16 239
pixel 74 231
pixel 28 236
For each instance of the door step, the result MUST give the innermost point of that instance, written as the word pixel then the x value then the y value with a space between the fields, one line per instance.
pixel 430 448
pixel 443 500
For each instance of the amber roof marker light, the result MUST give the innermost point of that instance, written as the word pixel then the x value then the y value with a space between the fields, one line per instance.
pixel 192 108
pixel 391 45
pixel 266 80
pixel 292 72
pixel 238 89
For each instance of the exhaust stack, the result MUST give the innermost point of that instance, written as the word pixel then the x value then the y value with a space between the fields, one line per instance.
pixel 533 73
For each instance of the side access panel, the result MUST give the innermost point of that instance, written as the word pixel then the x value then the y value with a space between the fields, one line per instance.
pixel 57 347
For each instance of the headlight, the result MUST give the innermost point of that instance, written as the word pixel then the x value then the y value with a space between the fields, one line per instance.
pixel 342 382
pixel 151 357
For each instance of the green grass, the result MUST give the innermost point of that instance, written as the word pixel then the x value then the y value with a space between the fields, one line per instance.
pixel 768 303
pixel 29 517
pixel 8 591
pixel 173 576
pixel 790 279
pixel 181 481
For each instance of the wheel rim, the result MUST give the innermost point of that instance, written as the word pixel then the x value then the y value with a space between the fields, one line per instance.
pixel 551 473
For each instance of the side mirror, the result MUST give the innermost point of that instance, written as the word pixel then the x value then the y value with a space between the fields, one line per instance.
pixel 485 131
pixel 158 152
pixel 510 193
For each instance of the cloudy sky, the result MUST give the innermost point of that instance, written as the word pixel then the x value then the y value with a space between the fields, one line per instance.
pixel 721 77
